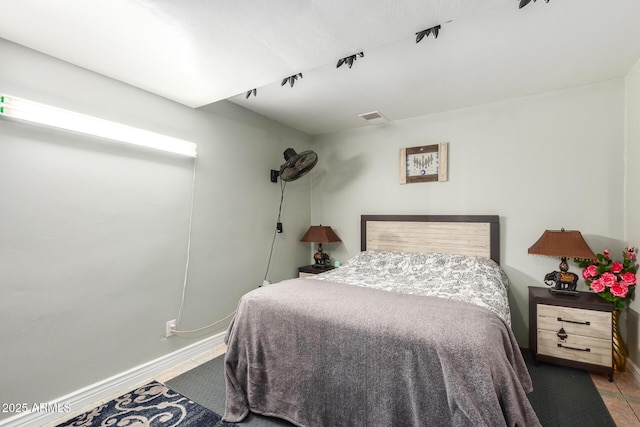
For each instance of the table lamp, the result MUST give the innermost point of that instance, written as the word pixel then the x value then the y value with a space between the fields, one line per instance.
pixel 562 244
pixel 320 234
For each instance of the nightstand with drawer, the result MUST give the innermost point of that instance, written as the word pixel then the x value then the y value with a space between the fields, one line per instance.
pixel 570 330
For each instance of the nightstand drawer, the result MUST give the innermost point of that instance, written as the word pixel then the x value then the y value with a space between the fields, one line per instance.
pixel 575 347
pixel 575 321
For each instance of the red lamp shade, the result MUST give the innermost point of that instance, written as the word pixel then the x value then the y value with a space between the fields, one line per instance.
pixel 562 244
pixel 320 234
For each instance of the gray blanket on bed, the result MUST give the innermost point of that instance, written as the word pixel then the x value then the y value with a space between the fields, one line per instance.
pixel 319 353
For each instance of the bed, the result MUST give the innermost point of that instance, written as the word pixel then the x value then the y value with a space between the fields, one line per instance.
pixel 412 331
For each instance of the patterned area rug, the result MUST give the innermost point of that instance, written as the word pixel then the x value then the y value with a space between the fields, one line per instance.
pixel 152 405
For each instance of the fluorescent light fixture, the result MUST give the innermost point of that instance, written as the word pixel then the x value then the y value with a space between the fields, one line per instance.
pixel 24 109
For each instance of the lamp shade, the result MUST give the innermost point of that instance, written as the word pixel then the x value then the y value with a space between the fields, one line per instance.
pixel 320 234
pixel 562 244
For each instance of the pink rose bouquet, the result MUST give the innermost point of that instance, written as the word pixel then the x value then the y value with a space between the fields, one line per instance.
pixel 614 281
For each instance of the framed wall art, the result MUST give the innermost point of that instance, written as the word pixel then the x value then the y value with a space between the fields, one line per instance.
pixel 423 164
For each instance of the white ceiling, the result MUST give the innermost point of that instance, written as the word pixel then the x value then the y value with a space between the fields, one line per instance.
pixel 198 52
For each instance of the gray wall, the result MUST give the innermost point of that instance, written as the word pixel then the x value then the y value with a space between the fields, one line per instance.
pixel 632 197
pixel 541 162
pixel 93 235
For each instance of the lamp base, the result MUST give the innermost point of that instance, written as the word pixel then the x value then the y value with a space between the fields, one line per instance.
pixel 562 282
pixel 320 257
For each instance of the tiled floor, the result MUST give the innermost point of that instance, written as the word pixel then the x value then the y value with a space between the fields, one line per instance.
pixel 622 396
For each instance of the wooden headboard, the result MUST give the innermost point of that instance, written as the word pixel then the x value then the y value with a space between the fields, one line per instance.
pixel 477 235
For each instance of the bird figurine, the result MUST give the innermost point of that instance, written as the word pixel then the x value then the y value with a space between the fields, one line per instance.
pixel 291 79
pixel 523 3
pixel 425 33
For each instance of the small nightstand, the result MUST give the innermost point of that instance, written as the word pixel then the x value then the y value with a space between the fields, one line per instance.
pixel 310 270
pixel 571 330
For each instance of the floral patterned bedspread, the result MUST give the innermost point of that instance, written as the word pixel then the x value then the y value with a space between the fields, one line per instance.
pixel 469 279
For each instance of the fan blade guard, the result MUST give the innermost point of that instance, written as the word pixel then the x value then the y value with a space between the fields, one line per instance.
pixel 297 164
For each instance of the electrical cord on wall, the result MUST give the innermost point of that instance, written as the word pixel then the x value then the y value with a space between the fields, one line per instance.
pixel 186 267
pixel 266 274
pixel 275 231
pixel 176 331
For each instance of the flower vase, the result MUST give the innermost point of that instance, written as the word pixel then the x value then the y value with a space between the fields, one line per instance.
pixel 620 351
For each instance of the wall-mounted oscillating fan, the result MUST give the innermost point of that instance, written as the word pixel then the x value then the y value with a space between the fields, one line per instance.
pixel 295 165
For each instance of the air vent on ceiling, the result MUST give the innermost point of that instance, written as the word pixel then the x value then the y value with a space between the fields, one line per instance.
pixel 374 117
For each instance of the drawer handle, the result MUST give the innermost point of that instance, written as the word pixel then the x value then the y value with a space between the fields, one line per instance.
pixel 588 350
pixel 560 319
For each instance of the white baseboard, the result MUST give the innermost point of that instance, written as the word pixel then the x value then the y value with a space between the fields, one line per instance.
pixel 110 386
